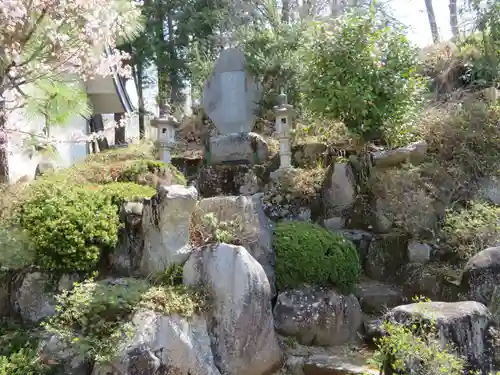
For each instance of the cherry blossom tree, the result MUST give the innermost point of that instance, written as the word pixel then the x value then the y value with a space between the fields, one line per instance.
pixel 53 41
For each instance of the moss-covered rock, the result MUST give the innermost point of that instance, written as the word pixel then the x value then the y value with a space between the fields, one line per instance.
pixel 309 254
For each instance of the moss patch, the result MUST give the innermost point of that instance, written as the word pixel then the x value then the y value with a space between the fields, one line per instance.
pixel 309 254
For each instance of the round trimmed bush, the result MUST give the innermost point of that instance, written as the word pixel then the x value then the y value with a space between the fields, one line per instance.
pixel 308 254
pixel 69 225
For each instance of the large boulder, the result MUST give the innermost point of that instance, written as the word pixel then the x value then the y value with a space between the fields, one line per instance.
pixel 238 147
pixel 481 274
pixel 386 254
pixel 253 229
pixel 165 224
pixel 317 316
pixel 32 294
pixel 164 345
pixel 240 323
pixel 465 326
pixel 340 190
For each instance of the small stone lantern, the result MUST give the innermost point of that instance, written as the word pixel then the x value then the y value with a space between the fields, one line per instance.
pixel 284 112
pixel 165 125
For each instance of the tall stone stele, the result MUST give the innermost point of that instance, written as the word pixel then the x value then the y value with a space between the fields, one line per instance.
pixel 283 113
pixel 165 125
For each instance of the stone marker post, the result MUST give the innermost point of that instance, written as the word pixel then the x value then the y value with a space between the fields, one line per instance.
pixel 166 125
pixel 283 112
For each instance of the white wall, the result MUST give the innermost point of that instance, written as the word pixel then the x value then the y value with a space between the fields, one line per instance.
pixel 70 150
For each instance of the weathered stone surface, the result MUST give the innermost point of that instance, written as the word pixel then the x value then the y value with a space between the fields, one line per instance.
pixel 360 238
pixel 248 148
pixel 166 221
pixel 466 326
pixel 125 259
pixel 414 153
pixel 53 350
pixel 240 323
pixel 376 297
pixel 334 224
pixel 481 274
pixel 32 294
pixel 253 228
pixel 386 254
pixel 307 154
pixel 317 316
pixel 231 96
pixel 164 345
pixel 419 252
pixel 339 192
pixel 433 280
pixel 226 179
pixel 490 190
pixel 333 365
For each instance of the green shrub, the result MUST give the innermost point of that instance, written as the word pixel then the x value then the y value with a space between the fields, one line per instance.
pixel 120 192
pixel 133 171
pixel 69 225
pixel 309 254
pixel 94 318
pixel 401 347
pixel 471 229
pixel 18 354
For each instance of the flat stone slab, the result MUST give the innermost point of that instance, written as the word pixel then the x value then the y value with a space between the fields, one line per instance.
pixel 377 297
pixel 335 365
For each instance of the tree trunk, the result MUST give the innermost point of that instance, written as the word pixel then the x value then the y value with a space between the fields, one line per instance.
pixel 119 130
pixel 432 21
pixel 140 94
pixel 4 150
pixel 97 125
pixel 454 19
pixel 285 11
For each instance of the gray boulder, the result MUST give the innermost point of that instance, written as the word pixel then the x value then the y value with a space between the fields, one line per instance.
pixel 317 316
pixel 466 327
pixel 166 345
pixel 253 229
pixel 165 223
pixel 240 323
pixel 32 296
pixel 481 274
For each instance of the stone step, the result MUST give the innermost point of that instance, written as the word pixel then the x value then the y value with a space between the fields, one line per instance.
pixel 334 365
pixel 376 297
pixel 349 359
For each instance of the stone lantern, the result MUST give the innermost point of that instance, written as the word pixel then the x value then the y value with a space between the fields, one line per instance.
pixel 283 113
pixel 165 125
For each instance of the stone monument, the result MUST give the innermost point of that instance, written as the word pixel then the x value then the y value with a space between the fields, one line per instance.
pixel 231 95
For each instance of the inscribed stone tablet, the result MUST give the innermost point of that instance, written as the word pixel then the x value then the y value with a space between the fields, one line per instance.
pixel 231 95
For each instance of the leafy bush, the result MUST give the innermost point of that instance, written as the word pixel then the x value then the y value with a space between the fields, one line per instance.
pixel 363 72
pixel 18 353
pixel 467 231
pixel 95 316
pixel 401 348
pixel 309 254
pixel 69 225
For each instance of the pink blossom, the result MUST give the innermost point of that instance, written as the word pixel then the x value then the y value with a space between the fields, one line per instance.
pixel 44 38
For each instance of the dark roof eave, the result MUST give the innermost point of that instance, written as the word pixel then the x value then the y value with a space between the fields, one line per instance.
pixel 119 83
